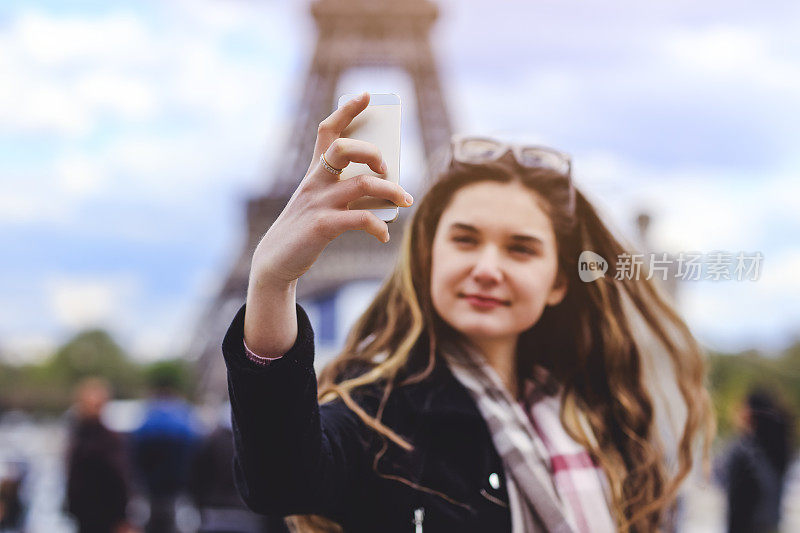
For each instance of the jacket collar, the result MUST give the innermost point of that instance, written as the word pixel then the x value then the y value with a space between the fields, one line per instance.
pixel 438 395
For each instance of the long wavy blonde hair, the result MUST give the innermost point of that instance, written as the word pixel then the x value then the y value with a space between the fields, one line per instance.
pixel 588 342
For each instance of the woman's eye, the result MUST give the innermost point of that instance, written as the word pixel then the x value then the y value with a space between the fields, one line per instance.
pixel 523 249
pixel 520 249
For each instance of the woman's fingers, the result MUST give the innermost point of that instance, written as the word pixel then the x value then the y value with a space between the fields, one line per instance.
pixel 341 221
pixel 343 151
pixel 332 127
pixel 351 189
pixel 317 212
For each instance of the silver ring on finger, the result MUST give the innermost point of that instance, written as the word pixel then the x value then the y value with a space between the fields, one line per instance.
pixel 328 167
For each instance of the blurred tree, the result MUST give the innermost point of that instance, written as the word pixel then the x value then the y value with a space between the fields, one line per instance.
pixel 47 387
pixel 173 375
pixel 790 369
pixel 732 376
pixel 94 353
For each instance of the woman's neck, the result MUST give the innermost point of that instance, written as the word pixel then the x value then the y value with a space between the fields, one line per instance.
pixel 502 357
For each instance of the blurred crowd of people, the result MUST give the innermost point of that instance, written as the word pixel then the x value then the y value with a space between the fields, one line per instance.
pixel 171 455
pixel 167 456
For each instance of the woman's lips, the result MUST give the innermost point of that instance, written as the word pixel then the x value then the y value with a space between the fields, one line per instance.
pixel 483 303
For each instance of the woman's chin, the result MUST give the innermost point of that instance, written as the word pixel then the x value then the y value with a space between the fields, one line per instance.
pixel 480 331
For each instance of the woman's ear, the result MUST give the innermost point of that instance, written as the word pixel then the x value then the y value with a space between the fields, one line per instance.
pixel 559 289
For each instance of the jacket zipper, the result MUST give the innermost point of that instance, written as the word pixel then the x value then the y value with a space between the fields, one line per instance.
pixel 419 515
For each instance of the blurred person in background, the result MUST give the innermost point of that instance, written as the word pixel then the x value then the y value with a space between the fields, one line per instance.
pixel 97 473
pixel 213 490
pixel 753 468
pixel 13 509
pixel 486 387
pixel 162 448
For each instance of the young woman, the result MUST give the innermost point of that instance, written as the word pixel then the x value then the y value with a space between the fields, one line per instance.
pixel 485 388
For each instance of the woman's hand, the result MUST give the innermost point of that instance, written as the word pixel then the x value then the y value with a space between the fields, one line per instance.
pixel 315 215
pixel 317 211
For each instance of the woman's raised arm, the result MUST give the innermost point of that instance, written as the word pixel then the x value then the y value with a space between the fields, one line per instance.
pixel 293 456
pixel 315 215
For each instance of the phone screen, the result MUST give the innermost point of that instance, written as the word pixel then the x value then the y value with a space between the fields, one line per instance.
pixel 378 124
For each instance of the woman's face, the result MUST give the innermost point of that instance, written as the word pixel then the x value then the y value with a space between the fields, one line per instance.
pixel 494 240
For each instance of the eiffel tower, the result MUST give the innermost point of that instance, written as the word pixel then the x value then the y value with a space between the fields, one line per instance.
pixel 379 34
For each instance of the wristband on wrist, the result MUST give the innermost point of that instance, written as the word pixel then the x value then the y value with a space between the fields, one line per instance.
pixel 260 359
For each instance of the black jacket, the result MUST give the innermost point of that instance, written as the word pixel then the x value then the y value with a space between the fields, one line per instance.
pixel 97 487
pixel 754 487
pixel 294 456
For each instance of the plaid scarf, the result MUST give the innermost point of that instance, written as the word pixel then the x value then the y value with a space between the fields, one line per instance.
pixel 553 484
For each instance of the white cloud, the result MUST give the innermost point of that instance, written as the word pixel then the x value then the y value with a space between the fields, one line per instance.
pixel 79 174
pixel 706 210
pixel 165 334
pixel 782 195
pixel 130 111
pixel 734 315
pixel 28 201
pixel 59 73
pixel 745 53
pixel 147 325
pixel 150 114
pixel 696 212
pixel 64 75
pixel 58 41
pixel 30 103
pixel 119 94
pixel 89 301
pixel 27 348
pixel 717 49
pixel 694 208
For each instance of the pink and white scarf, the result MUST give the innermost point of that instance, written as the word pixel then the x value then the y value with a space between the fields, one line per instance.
pixel 553 484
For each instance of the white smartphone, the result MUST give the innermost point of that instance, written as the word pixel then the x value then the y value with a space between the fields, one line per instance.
pixel 379 124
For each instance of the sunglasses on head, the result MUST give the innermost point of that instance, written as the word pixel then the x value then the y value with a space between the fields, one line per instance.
pixel 477 150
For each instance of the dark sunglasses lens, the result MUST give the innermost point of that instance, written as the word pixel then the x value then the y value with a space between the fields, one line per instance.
pixel 536 157
pixel 478 150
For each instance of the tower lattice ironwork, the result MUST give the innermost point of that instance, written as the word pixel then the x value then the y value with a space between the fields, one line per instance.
pixel 350 34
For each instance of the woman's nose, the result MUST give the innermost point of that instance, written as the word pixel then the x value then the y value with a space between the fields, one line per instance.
pixel 487 269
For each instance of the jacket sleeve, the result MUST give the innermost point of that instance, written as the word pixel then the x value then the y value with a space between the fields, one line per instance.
pixel 292 456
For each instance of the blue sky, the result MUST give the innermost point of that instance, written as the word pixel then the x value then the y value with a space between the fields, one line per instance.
pixel 130 133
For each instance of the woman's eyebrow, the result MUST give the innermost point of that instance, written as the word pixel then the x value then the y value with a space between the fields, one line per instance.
pixel 517 237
